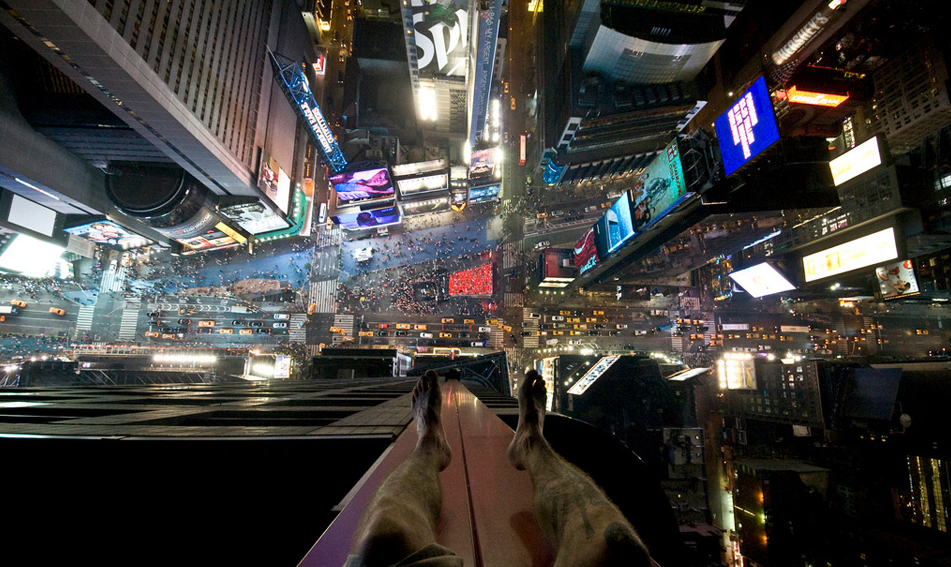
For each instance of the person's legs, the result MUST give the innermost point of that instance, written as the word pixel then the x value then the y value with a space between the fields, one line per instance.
pixel 401 518
pixel 584 527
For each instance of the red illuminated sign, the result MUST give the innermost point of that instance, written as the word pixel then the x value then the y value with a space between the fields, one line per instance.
pixel 815 99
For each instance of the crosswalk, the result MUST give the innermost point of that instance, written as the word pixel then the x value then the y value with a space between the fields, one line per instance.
pixel 84 319
pixel 511 254
pixel 531 326
pixel 345 322
pixel 112 280
pixel 323 295
pixel 496 338
pixel 677 344
pixel 297 329
pixel 129 324
pixel 331 237
pixel 513 299
pixel 530 342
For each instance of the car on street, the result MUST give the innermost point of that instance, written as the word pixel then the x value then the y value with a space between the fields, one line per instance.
pixel 204 331
pixel 184 321
pixel 507 328
pixel 419 327
pixel 223 331
pixel 152 334
pixel 282 316
pixel 310 308
pixel 18 303
pixel 605 204
pixel 590 319
pixel 477 343
pixel 485 329
pixel 237 322
pixel 446 320
pixel 57 311
pixel 593 333
pixel 401 333
pixel 597 326
pixel 281 325
pixel 426 335
pixel 256 323
pixel 463 335
pixel 169 336
pixel 206 323
pixel 527 333
pixel 620 326
pixel 384 325
pixel 245 331
pixel 615 333
pixel 166 329
pixel 445 335
pixel 186 311
pixel 468 321
pixel 403 326
pixel 382 333
pixel 366 333
pixel 153 314
pixel 557 318
pixel 542 244
pixel 265 331
pixel 596 312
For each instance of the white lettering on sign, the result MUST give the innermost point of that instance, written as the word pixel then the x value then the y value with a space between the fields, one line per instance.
pixel 801 38
pixel 742 119
pixel 319 126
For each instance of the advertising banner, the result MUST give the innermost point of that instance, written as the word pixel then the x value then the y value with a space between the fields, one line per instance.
pixel 487 38
pixel 359 186
pixel 855 162
pixel 482 163
pixel 736 371
pixel 897 280
pixel 275 183
pixel 859 253
pixel 254 218
pixel 482 194
pixel 369 219
pixel 419 167
pixel 616 226
pixel 586 252
pixel 440 31
pixel 595 372
pixel 747 128
pixel 411 208
pixel 417 185
pixel 659 189
pixel 761 280
pixel 108 233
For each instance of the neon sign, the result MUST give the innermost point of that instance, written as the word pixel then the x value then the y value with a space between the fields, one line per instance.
pixel 815 99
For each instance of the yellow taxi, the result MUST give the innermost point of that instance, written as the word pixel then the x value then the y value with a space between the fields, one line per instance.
pixel 574 319
pixel 581 326
pixel 599 312
pixel 564 312
pixel 347 339
pixel 448 320
pixel 591 319
pixel 227 331
pixel 419 327
pixel 507 328
pixel 336 330
pixel 366 333
pixel 445 335
pixel 557 333
pixel 17 303
pixel 493 321
pixel 574 333
pixel 403 326
pixel 468 321
pixel 152 334
pixel 168 336
pixel 206 323
pixel 57 311
pixel 245 331
pixel 310 308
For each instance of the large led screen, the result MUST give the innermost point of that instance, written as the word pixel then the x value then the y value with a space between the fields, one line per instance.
pixel 440 31
pixel 275 183
pixel 369 219
pixel 480 194
pixel 761 280
pixel 254 218
pixel 416 185
pixel 616 226
pixel 747 128
pixel 366 185
pixel 855 162
pixel 897 280
pixel 108 233
pixel 859 253
pixel 30 257
pixel 659 189
pixel 586 252
pixel 481 163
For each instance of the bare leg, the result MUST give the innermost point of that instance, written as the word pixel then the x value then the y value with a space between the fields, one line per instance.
pixel 401 518
pixel 584 527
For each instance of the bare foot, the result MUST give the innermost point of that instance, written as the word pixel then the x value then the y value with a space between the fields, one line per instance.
pixel 531 417
pixel 427 411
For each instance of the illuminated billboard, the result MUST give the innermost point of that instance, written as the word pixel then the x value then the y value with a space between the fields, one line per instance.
pixel 369 219
pixel 747 128
pixel 897 280
pixel 482 163
pixel 416 185
pixel 814 98
pixel 659 189
pixel 295 87
pixel 859 253
pixel 32 216
pixel 482 194
pixel 546 369
pixel 592 375
pixel 761 280
pixel 736 371
pixel 411 208
pixel 358 186
pixel 855 162
pixel 320 64
pixel 440 31
pixel 419 167
pixel 586 252
pixel 254 218
pixel 30 257
pixel 616 226
pixel 275 183
pixel 108 233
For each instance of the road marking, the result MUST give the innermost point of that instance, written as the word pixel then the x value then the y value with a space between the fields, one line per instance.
pixel 84 318
pixel 129 324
